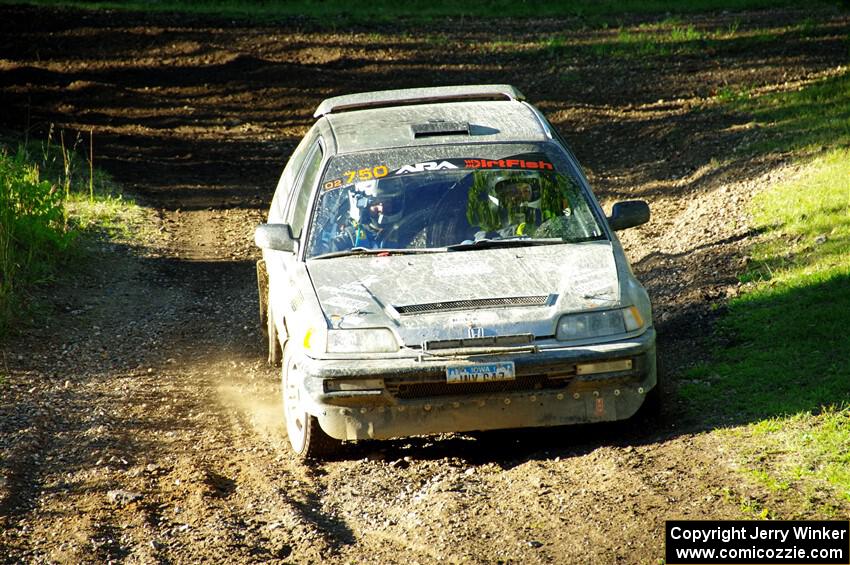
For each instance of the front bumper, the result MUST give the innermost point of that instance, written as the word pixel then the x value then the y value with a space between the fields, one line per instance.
pixel 413 398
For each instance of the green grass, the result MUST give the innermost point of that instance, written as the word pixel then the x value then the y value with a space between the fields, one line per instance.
pixel 650 42
pixel 33 229
pixel 809 120
pixel 798 302
pixel 781 367
pixel 809 451
pixel 110 215
pixel 734 94
pixel 788 334
pixel 339 11
pixel 50 195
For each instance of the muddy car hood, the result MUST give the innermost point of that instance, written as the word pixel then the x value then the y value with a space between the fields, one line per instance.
pixel 450 295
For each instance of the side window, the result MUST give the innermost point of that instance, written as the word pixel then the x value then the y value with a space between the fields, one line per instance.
pixel 301 199
pixel 283 191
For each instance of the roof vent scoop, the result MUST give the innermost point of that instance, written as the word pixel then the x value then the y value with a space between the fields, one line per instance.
pixel 437 129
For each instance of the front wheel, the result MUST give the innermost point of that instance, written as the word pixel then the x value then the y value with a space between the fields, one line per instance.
pixel 306 437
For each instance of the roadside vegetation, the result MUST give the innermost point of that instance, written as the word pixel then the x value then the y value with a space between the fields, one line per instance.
pixel 781 365
pixel 328 11
pixel 670 37
pixel 50 195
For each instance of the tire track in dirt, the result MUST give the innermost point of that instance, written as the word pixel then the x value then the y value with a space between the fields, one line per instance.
pixel 270 480
pixel 275 502
pixel 550 499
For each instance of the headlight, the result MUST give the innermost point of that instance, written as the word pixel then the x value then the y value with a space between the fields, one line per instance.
pixel 375 340
pixel 599 324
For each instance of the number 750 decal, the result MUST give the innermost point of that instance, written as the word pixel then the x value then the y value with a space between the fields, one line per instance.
pixel 375 172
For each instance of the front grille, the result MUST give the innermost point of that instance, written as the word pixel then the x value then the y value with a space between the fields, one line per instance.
pixel 407 390
pixel 517 340
pixel 472 304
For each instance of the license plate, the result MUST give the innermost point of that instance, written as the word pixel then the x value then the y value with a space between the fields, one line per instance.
pixel 483 373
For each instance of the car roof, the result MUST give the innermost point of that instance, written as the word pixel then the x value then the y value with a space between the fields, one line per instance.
pixel 428 116
pixel 430 124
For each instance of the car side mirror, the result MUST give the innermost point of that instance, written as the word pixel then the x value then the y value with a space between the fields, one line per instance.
pixel 277 237
pixel 628 214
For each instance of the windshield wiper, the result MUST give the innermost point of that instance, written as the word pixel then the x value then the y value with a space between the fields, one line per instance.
pixel 368 251
pixel 518 241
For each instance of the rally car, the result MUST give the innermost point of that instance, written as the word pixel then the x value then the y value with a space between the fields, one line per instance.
pixel 435 261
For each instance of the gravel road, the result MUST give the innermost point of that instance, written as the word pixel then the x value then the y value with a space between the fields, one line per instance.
pixel 139 422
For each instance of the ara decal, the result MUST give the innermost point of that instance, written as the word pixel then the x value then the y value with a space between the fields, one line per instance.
pixel 427 166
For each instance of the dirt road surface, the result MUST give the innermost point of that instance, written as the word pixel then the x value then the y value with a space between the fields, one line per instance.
pixel 140 423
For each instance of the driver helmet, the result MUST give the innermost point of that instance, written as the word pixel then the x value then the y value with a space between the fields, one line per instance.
pixel 386 204
pixel 516 191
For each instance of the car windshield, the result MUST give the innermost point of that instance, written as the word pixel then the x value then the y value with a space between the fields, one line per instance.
pixel 453 202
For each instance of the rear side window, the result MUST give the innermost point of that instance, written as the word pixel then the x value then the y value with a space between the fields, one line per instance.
pixel 298 209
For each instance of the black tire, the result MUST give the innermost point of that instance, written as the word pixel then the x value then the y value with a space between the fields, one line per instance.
pixel 306 438
pixel 653 404
pixel 274 349
pixel 262 294
pixel 266 318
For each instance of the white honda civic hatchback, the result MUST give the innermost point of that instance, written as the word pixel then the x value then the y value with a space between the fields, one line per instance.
pixel 435 261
